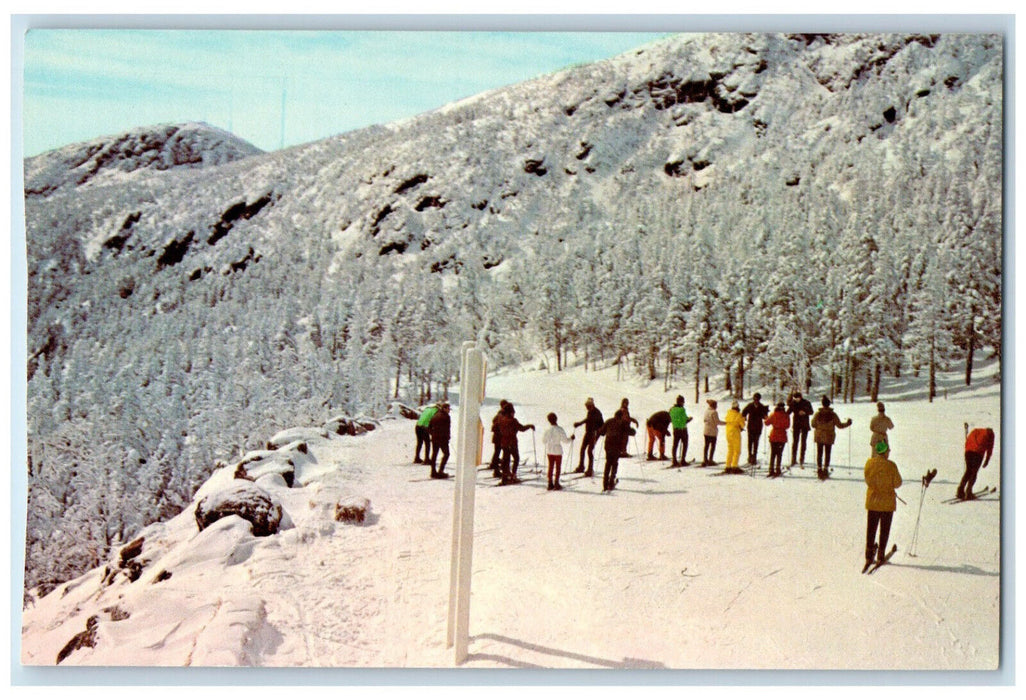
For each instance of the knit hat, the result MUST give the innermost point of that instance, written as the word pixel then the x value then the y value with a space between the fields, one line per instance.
pixel 826 401
pixel 882 448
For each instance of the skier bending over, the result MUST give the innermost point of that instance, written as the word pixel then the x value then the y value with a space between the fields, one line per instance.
pixel 423 436
pixel 658 426
pixel 979 445
pixel 882 478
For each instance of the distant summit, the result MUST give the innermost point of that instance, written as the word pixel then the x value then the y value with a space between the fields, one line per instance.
pixel 160 147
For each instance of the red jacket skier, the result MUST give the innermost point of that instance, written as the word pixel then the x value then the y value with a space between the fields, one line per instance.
pixel 779 423
pixel 979 445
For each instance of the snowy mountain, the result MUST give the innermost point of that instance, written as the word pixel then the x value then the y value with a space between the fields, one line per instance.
pixel 744 209
pixel 153 148
pixel 675 569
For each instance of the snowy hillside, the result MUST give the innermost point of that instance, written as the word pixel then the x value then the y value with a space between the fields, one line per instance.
pixel 710 210
pixel 675 569
pixel 151 148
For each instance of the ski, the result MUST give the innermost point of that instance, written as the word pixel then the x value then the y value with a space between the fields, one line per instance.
pixel 878 564
pixel 976 494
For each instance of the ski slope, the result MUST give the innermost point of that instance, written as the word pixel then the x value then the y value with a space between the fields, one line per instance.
pixel 675 569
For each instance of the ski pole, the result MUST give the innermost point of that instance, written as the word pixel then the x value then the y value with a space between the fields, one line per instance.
pixel 927 478
pixel 534 447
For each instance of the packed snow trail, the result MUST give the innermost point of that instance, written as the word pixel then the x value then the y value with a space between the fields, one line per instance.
pixel 672 570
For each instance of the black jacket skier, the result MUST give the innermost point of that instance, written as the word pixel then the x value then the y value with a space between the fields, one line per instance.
pixel 755 414
pixel 592 423
pixel 801 411
pixel 617 431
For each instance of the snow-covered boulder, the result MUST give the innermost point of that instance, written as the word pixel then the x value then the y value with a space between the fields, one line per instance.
pixel 401 410
pixel 127 563
pixel 352 510
pixel 282 467
pixel 344 425
pixel 293 435
pixel 367 422
pixel 248 501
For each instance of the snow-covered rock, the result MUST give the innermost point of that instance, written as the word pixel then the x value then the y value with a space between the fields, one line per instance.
pixel 246 500
pixel 296 436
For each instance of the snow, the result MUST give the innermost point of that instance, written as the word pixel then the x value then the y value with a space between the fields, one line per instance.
pixel 673 570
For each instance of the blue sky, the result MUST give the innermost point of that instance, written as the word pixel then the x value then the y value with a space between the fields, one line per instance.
pixel 80 84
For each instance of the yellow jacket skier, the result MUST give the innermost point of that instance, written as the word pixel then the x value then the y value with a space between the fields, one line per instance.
pixel 882 478
pixel 734 423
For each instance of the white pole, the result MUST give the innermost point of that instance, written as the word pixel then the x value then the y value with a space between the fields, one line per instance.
pixel 457 508
pixel 472 381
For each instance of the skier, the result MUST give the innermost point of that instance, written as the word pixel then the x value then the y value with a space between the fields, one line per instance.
pixel 439 427
pixel 553 440
pixel 624 406
pixel 754 414
pixel 680 419
pixel 801 409
pixel 882 478
pixel 592 422
pixel 423 436
pixel 824 423
pixel 508 427
pixel 711 422
pixel 979 446
pixel 627 414
pixel 879 426
pixel 617 431
pixel 779 423
pixel 658 425
pixel 496 450
pixel 734 422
